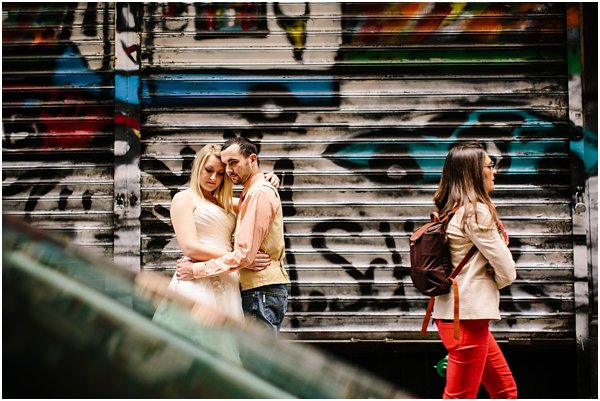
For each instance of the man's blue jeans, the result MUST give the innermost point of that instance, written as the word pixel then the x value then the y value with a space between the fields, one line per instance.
pixel 266 304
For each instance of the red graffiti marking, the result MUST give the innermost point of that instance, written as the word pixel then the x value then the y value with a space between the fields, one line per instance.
pixel 130 49
pixel 74 125
pixel 127 121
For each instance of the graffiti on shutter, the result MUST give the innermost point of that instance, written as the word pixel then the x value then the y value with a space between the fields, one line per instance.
pixel 58 119
pixel 355 106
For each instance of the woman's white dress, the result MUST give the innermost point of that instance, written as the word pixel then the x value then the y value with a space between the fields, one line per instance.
pixel 215 228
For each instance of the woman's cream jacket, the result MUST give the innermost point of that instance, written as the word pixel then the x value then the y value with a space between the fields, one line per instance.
pixel 479 296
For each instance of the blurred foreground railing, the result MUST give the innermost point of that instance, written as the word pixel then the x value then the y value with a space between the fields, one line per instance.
pixel 78 326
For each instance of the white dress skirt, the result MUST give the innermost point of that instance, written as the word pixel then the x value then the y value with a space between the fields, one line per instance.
pixel 215 229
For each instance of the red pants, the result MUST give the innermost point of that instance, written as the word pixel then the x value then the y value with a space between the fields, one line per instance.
pixel 473 360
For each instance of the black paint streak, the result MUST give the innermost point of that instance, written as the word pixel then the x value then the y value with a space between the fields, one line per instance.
pixel 86 200
pixel 64 197
pixel 364 280
pixel 291 25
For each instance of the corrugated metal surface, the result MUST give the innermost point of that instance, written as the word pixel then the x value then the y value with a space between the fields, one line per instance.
pixel 355 106
pixel 57 118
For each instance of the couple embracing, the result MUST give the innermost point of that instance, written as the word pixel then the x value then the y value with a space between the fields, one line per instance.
pixel 246 277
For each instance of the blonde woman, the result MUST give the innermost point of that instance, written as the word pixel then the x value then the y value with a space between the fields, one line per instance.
pixel 475 358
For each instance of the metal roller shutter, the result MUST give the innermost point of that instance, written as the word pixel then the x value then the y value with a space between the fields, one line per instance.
pixel 57 118
pixel 355 106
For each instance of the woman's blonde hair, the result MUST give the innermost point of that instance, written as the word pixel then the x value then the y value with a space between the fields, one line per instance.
pixel 224 193
pixel 462 182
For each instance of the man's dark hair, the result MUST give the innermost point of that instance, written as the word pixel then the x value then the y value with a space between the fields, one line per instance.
pixel 247 147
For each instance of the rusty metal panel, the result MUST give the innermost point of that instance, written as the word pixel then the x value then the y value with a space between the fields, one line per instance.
pixel 355 106
pixel 57 119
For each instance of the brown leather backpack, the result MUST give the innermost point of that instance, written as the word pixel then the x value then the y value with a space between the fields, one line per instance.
pixel 431 269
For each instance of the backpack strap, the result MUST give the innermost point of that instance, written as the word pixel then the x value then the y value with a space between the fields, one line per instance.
pixel 456 310
pixel 417 234
pixel 427 315
pixel 435 218
pixel 452 277
pixel 463 262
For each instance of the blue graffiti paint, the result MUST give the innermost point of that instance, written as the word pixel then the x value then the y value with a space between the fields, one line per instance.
pixel 586 149
pixel 367 150
pixel 71 70
pixel 127 88
pixel 215 89
pixel 525 140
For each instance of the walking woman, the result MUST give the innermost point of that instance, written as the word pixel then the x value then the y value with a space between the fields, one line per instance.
pixel 475 358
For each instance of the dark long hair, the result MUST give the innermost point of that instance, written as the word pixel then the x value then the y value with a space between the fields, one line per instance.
pixel 462 181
